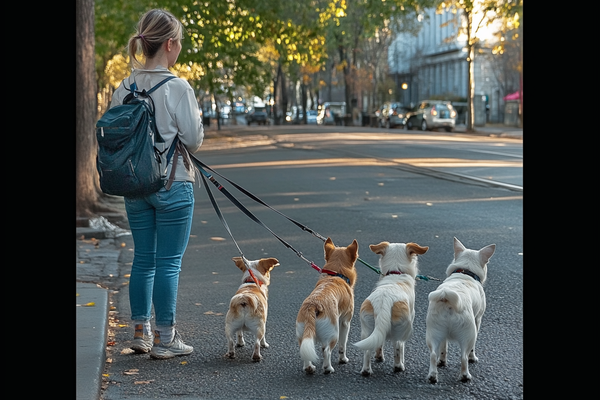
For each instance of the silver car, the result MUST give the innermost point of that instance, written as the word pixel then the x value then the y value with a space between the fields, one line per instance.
pixel 432 114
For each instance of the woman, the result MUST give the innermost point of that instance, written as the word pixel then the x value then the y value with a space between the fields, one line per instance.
pixel 161 222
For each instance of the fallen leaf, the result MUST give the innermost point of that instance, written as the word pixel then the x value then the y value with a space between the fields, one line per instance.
pixel 127 351
pixel 111 343
pixel 109 360
pixel 123 325
pixel 131 372
pixel 217 238
pixel 106 375
pixel 126 275
pixel 183 362
pixel 143 382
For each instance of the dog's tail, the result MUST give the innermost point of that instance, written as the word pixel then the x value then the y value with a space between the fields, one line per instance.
pixel 306 331
pixel 383 324
pixel 444 295
pixel 243 303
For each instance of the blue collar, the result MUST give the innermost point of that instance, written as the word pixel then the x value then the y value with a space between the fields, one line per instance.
pixel 464 271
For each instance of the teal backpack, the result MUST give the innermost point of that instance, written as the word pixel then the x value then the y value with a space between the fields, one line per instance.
pixel 128 162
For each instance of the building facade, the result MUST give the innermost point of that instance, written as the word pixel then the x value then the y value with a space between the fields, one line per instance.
pixel 434 64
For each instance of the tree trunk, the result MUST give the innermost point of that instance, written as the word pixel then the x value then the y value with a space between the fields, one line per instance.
pixel 284 97
pixel 471 64
pixel 87 189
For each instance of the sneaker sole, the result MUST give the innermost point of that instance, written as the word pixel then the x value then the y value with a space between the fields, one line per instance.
pixel 139 349
pixel 168 354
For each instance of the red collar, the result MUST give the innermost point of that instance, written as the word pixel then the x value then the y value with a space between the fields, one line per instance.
pixel 250 280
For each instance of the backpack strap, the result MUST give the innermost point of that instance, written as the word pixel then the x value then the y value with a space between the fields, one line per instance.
pixel 174 149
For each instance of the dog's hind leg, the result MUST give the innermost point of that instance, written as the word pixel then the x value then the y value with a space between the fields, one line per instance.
pixel 443 353
pixel 366 369
pixel 230 344
pixel 327 368
pixel 433 346
pixel 466 348
pixel 260 342
pixel 399 356
pixel 343 335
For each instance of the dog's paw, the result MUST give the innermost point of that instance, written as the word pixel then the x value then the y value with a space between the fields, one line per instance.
pixel 366 372
pixel 344 360
pixel 441 363
pixel 256 357
pixel 264 345
pixel 328 370
pixel 230 354
pixel 473 358
pixel 432 378
pixel 310 369
pixel 399 368
pixel 465 377
pixel 380 358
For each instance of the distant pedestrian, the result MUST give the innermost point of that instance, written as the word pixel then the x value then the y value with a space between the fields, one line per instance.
pixel 161 222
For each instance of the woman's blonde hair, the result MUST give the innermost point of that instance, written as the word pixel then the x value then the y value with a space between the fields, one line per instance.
pixel 154 28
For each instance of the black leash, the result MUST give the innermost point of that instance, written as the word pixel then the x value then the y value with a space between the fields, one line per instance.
pixel 205 175
pixel 202 166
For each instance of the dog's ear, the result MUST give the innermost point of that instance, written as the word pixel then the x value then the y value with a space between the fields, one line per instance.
pixel 352 249
pixel 329 246
pixel 239 263
pixel 267 264
pixel 458 248
pixel 379 248
pixel 486 253
pixel 413 248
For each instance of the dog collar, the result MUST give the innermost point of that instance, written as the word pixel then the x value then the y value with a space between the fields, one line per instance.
pixel 250 280
pixel 394 272
pixel 332 273
pixel 471 274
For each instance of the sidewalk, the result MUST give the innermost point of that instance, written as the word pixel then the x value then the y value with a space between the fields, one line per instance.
pixel 99 250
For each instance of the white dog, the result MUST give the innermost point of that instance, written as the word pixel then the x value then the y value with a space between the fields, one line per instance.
pixel 456 308
pixel 389 311
pixel 248 307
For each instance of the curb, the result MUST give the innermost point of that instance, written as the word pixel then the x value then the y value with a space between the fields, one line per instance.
pixel 91 331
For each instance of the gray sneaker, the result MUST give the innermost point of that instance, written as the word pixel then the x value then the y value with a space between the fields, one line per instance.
pixel 141 343
pixel 162 351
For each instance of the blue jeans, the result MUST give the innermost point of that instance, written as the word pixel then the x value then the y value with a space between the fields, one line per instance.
pixel 160 225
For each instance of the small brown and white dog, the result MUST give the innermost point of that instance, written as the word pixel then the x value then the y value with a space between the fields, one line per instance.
pixel 389 311
pixel 325 314
pixel 456 308
pixel 248 307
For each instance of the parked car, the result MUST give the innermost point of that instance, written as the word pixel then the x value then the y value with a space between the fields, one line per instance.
pixel 392 114
pixel 258 115
pixel 311 117
pixel 432 114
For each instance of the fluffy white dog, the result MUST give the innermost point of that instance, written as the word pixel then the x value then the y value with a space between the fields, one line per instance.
pixel 456 308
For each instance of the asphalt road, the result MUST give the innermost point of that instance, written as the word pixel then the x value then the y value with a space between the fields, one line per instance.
pixel 345 187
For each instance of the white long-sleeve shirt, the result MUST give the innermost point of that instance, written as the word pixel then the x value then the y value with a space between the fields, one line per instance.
pixel 176 113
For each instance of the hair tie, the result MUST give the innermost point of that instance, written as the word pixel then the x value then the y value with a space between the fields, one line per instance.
pixel 141 37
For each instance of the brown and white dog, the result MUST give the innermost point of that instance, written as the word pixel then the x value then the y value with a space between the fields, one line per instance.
pixel 456 308
pixel 325 314
pixel 389 311
pixel 248 307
